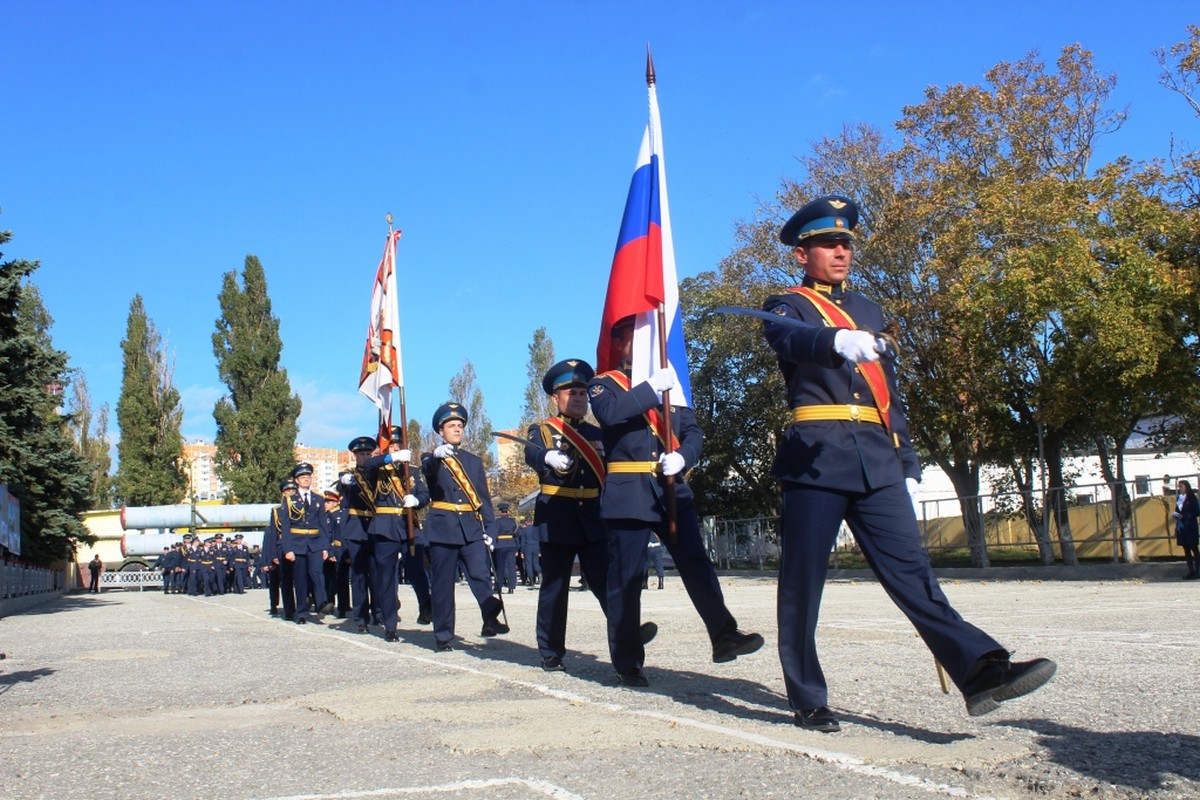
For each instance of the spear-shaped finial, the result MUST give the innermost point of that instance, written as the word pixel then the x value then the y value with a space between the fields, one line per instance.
pixel 389 219
pixel 649 66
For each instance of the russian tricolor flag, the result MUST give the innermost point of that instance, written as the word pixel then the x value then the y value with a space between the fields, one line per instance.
pixel 643 271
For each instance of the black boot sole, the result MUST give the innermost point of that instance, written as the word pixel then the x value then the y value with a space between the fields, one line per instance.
pixel 1033 678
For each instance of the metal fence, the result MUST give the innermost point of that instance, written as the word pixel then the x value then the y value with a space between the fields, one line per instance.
pixel 1095 527
pixel 131 579
pixel 22 586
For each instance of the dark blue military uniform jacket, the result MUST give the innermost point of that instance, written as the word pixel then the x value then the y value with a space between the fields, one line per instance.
pixel 448 526
pixel 270 544
pixel 819 452
pixel 304 528
pixel 360 507
pixel 384 478
pixel 504 533
pixel 562 518
pixel 628 438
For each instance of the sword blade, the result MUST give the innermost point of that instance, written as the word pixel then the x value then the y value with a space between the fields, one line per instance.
pixel 528 442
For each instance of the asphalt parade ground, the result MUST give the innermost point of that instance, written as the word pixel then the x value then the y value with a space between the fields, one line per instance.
pixel 146 695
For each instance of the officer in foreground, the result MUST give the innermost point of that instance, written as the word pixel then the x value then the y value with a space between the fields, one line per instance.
pixel 847 456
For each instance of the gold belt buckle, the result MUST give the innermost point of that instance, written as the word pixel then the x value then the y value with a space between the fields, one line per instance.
pixel 854 413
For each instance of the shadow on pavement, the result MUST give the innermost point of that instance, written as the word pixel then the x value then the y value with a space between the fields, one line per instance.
pixel 1140 760
pixel 8 680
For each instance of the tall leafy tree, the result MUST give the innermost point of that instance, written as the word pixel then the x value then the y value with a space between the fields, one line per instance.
pixel 37 462
pixel 538 405
pixel 150 451
pixel 89 432
pixel 477 437
pixel 257 420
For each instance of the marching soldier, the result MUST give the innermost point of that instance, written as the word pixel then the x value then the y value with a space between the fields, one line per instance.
pixel 633 506
pixel 163 565
pixel 531 563
pixel 272 557
pixel 239 562
pixel 847 456
pixel 359 494
pixel 388 533
pixel 504 549
pixel 304 542
pixel 337 590
pixel 459 515
pixel 571 471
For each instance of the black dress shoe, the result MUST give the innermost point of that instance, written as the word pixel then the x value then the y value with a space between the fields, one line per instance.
pixel 994 679
pixel 274 612
pixel 553 664
pixel 493 627
pixel 818 719
pixel 632 677
pixel 443 647
pixel 390 636
pixel 732 644
pixel 362 627
pixel 301 621
pixel 424 618
pixel 647 632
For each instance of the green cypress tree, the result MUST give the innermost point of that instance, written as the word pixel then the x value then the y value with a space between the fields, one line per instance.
pixel 37 461
pixel 90 435
pixel 149 415
pixel 257 420
pixel 538 405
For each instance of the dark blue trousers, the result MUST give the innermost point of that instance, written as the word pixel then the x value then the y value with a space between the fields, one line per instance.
pixel 309 575
pixel 444 562
pixel 416 573
pixel 506 568
pixel 385 560
pixel 554 593
pixel 360 576
pixel 627 540
pixel 885 527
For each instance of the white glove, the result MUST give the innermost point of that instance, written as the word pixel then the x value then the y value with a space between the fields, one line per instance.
pixel 913 487
pixel 443 451
pixel 672 463
pixel 402 457
pixel 556 459
pixel 346 479
pixel 411 501
pixel 488 541
pixel 857 346
pixel 664 379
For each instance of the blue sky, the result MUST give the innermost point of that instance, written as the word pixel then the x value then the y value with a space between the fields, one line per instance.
pixel 148 147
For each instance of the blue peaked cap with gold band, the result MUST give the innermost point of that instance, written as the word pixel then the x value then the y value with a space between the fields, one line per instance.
pixel 446 412
pixel 565 374
pixel 830 217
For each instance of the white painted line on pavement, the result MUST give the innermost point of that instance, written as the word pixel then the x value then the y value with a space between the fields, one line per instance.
pixel 542 787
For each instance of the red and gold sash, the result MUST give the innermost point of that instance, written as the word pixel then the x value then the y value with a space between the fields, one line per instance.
pixel 585 447
pixel 872 371
pixel 652 416
pixel 464 483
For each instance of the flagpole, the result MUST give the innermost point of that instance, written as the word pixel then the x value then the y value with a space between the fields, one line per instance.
pixel 404 476
pixel 664 361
